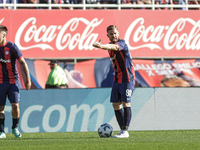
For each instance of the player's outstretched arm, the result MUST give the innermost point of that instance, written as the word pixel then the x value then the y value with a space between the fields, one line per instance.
pixel 112 47
pixel 26 72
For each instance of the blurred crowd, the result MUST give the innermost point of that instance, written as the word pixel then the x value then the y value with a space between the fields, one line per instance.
pixel 129 2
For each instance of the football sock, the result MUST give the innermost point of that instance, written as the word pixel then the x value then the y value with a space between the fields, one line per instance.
pixel 126 128
pixel 119 116
pixel 2 120
pixel 127 117
pixel 15 122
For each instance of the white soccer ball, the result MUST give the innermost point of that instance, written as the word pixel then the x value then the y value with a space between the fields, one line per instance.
pixel 105 130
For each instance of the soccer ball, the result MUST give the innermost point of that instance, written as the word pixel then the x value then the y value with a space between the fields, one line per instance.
pixel 105 130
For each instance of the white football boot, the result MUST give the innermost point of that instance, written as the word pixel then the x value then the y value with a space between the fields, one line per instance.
pixel 2 135
pixel 122 134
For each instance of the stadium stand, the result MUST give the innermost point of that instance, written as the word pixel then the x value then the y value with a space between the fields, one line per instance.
pixel 104 4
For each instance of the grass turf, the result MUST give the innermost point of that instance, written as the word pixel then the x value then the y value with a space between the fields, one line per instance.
pixel 138 140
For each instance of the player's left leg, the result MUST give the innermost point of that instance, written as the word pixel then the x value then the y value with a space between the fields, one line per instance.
pixel 14 100
pixel 15 116
pixel 127 115
pixel 119 113
pixel 115 99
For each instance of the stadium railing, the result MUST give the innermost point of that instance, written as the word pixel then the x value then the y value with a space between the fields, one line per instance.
pixel 118 6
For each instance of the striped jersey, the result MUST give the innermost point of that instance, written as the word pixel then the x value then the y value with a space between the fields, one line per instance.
pixel 122 63
pixel 9 53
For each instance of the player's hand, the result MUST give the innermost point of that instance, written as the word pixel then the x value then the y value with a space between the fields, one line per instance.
pixel 97 44
pixel 28 85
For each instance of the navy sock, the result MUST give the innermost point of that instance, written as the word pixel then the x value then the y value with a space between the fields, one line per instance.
pixel 127 117
pixel 15 123
pixel 2 125
pixel 120 117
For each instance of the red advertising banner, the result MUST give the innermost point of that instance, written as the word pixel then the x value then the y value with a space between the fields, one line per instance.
pixel 70 34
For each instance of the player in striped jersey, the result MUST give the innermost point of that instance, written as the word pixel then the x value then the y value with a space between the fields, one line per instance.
pixel 124 80
pixel 9 53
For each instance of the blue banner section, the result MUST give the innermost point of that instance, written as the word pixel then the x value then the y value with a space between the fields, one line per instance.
pixel 69 110
pixel 75 110
pixel 61 110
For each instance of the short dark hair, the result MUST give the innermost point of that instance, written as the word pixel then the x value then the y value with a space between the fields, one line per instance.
pixel 111 27
pixel 52 62
pixel 4 28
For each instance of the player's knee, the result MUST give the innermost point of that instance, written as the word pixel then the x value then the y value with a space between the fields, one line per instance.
pixel 2 108
pixel 126 104
pixel 117 106
pixel 15 106
pixel 2 116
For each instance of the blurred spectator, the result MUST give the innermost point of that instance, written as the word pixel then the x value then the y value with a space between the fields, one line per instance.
pixel 7 2
pixel 179 2
pixel 52 2
pixel 169 2
pixel 57 77
pixel 69 2
pixel 137 2
pixel 28 2
pixel 147 2
pixel 194 2
pixel 93 2
pixel 72 2
pixel 108 2
pixel 163 2
pixel 134 2
pixel 126 2
pixel 57 2
pixel 158 2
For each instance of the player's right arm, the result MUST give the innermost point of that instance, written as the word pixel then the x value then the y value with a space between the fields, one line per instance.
pixel 112 47
pixel 26 72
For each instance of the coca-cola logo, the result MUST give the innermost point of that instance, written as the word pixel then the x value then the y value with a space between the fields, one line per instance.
pixel 173 36
pixel 180 34
pixel 44 36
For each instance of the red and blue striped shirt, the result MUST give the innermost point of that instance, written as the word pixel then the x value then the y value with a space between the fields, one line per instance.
pixel 9 53
pixel 122 63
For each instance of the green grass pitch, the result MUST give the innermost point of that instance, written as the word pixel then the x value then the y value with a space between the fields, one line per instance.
pixel 138 140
